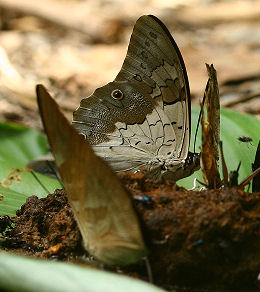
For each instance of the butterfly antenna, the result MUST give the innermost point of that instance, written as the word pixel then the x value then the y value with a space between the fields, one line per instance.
pixel 55 172
pixel 199 118
pixel 40 183
pixel 239 164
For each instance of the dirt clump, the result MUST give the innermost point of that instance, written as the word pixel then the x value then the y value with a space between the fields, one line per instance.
pixel 196 239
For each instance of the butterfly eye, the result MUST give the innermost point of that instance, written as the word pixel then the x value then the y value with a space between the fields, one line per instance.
pixel 117 94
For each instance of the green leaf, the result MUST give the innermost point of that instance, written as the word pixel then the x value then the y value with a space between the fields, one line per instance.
pixel 15 195
pixel 30 275
pixel 18 146
pixel 232 125
pixel 11 202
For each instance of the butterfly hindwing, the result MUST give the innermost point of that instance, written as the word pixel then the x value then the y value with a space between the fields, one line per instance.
pixel 151 122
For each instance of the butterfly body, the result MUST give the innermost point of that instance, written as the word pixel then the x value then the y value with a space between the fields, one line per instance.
pixel 142 118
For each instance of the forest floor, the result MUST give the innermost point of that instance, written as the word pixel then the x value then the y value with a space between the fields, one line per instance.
pixel 74 46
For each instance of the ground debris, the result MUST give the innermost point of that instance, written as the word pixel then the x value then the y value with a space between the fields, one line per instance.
pixel 196 239
pixel 75 53
pixel 45 227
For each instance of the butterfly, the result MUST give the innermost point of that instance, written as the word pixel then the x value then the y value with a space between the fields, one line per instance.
pixel 143 118
pixel 103 210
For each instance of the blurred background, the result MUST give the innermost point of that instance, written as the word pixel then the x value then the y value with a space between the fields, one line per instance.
pixel 75 46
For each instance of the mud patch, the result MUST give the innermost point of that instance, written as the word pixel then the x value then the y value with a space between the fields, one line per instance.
pixel 46 228
pixel 207 239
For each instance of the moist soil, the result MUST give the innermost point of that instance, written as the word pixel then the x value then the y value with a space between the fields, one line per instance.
pixel 198 241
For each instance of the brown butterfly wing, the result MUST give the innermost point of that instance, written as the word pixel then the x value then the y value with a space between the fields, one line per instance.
pixel 104 212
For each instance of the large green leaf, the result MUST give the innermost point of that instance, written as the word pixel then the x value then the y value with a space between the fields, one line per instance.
pixel 30 275
pixel 232 125
pixel 18 146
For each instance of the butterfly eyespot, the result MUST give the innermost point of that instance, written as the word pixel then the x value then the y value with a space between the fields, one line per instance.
pixel 117 94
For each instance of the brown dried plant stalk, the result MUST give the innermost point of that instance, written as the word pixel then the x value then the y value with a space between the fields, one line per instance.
pixel 210 132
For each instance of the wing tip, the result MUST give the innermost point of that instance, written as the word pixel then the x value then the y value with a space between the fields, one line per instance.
pixel 40 90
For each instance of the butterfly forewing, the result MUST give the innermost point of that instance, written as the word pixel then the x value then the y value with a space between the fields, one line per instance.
pixel 154 62
pixel 104 212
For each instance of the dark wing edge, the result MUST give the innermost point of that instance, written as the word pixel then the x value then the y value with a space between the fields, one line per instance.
pixel 185 75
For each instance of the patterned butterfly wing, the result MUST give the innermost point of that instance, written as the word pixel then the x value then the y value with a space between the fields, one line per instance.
pixel 142 118
pixel 104 212
pixel 155 64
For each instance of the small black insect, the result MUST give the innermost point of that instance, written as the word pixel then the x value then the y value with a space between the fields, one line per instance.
pixel 5 222
pixel 244 139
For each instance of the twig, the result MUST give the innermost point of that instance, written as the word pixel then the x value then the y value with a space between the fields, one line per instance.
pixel 239 99
pixel 247 180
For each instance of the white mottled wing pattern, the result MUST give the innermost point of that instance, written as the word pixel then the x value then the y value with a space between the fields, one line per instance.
pixel 152 121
